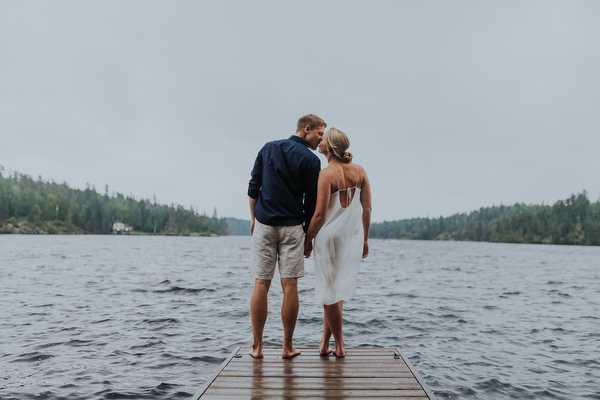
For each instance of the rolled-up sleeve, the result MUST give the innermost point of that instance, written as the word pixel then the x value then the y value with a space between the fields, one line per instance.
pixel 310 192
pixel 256 177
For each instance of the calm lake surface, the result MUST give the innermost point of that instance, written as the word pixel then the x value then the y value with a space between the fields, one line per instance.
pixel 116 317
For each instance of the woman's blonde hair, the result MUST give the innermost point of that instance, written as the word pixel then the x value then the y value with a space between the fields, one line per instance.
pixel 339 143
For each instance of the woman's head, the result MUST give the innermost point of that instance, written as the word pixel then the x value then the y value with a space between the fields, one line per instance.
pixel 338 143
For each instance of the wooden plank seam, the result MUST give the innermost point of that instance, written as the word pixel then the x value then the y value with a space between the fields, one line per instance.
pixel 416 374
pixel 215 375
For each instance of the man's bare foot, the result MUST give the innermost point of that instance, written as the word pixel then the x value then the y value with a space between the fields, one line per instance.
pixel 324 349
pixel 257 351
pixel 287 353
pixel 340 351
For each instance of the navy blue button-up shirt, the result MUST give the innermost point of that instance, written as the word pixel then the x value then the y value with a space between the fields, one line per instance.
pixel 284 180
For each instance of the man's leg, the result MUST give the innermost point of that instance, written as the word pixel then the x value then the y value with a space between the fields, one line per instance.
pixel 291 267
pixel 289 315
pixel 259 308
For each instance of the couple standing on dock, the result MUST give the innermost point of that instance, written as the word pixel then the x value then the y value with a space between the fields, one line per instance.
pixel 292 202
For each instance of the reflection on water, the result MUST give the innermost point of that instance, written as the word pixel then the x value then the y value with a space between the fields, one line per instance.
pixel 86 317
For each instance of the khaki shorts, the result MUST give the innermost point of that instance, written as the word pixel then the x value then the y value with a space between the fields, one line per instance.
pixel 277 244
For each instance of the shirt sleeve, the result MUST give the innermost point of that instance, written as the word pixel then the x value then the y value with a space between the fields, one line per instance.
pixel 256 177
pixel 310 192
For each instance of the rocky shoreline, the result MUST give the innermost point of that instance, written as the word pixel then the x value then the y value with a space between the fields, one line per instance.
pixel 45 228
pixel 59 228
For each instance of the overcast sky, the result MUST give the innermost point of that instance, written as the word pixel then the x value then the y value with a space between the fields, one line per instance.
pixel 449 105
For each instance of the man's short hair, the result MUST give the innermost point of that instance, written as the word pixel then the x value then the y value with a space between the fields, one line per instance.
pixel 312 121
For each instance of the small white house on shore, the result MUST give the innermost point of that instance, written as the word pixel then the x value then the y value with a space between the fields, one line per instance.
pixel 120 228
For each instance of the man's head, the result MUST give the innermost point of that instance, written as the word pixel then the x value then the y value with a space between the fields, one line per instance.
pixel 311 128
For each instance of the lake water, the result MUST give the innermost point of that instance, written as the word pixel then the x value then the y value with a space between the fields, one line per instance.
pixel 115 317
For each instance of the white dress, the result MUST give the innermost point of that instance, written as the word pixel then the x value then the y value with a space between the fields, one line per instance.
pixel 338 248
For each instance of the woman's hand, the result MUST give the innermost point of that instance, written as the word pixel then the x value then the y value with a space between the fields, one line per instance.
pixel 365 249
pixel 307 249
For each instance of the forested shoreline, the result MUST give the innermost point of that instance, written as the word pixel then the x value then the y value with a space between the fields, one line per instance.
pixel 38 206
pixel 571 221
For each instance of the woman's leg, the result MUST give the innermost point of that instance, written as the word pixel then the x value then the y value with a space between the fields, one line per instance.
pixel 324 348
pixel 334 318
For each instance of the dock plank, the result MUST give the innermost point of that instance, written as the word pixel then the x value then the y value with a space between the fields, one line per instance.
pixel 366 373
pixel 331 383
pixel 316 393
pixel 306 397
pixel 316 373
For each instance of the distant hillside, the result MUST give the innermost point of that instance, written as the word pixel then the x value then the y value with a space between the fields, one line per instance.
pixel 238 226
pixel 571 221
pixel 38 206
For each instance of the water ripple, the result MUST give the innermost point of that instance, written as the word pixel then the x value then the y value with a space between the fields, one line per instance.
pixel 152 317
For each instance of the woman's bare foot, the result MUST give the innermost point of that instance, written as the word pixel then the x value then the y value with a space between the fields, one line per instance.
pixel 257 351
pixel 324 349
pixel 289 353
pixel 340 350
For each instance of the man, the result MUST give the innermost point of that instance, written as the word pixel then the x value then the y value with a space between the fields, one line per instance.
pixel 283 192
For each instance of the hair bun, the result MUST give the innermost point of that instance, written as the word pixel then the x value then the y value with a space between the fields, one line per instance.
pixel 339 143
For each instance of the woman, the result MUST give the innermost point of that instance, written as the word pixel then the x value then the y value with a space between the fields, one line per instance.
pixel 341 233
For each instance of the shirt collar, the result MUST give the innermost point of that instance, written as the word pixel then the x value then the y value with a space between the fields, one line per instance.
pixel 298 139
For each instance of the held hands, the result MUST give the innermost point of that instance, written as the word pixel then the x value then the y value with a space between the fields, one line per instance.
pixel 307 249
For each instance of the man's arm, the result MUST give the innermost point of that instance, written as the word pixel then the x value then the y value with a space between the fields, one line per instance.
pixel 254 187
pixel 252 205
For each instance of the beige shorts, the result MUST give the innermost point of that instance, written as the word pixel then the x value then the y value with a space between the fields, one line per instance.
pixel 283 245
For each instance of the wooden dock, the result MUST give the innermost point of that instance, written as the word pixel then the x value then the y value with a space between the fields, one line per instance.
pixel 365 373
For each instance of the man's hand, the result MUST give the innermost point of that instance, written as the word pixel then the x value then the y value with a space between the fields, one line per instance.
pixel 252 219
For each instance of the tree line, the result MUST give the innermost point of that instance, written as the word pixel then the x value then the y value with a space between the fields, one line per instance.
pixel 29 205
pixel 571 221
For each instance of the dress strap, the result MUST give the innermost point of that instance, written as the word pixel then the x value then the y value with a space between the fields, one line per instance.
pixel 336 181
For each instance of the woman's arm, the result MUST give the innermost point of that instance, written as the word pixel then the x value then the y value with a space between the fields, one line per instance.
pixel 365 201
pixel 318 219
